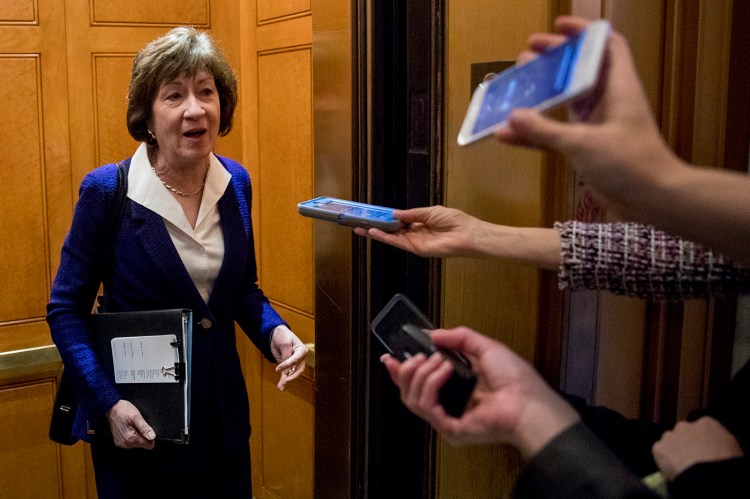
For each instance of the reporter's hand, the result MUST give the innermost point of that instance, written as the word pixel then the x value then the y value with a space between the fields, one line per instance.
pixel 290 352
pixel 691 443
pixel 605 127
pixel 430 231
pixel 510 404
pixel 129 429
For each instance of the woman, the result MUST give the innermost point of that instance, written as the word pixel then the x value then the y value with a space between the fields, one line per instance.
pixel 185 241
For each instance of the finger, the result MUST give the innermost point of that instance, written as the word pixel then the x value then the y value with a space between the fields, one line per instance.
pixel 570 24
pixel 296 355
pixel 147 432
pixel 541 42
pixel 405 372
pixel 526 56
pixel 391 365
pixel 412 215
pixel 539 131
pixel 430 395
pixel 416 388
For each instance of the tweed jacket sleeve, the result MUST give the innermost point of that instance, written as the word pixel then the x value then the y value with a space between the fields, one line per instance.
pixel 639 260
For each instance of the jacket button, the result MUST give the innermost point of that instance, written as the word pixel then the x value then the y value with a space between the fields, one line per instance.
pixel 206 323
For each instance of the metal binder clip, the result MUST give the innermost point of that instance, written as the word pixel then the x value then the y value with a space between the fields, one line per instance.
pixel 169 371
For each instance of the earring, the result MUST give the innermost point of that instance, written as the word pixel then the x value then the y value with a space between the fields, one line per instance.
pixel 151 138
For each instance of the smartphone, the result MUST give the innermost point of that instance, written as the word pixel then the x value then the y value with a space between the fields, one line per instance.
pixel 404 332
pixel 559 75
pixel 350 213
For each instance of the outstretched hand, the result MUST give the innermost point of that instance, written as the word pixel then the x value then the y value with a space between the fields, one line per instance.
pixel 605 127
pixel 431 231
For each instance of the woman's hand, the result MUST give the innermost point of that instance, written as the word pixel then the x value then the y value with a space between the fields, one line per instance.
pixel 511 402
pixel 129 429
pixel 431 231
pixel 290 353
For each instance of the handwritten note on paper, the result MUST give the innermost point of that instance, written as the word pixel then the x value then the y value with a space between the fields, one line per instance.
pixel 145 359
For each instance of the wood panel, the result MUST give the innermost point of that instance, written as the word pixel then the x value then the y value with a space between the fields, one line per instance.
pixel 285 161
pixel 24 272
pixel 276 96
pixel 21 11
pixel 25 411
pixel 111 80
pixel 270 10
pixel 167 12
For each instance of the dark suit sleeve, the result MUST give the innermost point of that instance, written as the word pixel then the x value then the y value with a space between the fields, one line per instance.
pixel 577 465
pixel 726 479
pixel 630 439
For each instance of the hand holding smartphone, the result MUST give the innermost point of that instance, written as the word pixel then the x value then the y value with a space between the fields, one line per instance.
pixel 403 331
pixel 350 213
pixel 559 75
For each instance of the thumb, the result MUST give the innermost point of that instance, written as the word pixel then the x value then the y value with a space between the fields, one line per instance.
pixel 531 128
pixel 144 428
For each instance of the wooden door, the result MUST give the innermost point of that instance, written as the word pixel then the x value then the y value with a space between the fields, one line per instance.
pixel 276 106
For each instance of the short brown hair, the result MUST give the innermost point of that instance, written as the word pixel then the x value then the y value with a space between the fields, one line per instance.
pixel 181 51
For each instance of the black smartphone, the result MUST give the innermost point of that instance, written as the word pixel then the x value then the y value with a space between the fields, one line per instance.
pixel 404 332
pixel 350 213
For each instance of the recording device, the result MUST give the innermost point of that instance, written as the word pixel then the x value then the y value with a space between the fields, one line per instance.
pixel 559 75
pixel 404 332
pixel 350 213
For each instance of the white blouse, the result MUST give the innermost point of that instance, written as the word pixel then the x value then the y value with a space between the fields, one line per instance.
pixel 201 248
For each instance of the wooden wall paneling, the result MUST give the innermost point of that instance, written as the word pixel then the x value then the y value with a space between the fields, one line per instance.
pixel 24 272
pixel 111 75
pixel 271 10
pixel 158 12
pixel 276 97
pixel 285 160
pixel 24 410
pixel 36 190
pixel 20 12
pixel 502 185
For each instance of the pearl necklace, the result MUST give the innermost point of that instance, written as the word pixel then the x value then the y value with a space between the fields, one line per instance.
pixel 177 191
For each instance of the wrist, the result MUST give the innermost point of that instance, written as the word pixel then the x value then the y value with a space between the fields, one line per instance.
pixel 543 420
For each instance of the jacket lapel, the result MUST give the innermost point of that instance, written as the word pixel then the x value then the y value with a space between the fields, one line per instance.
pixel 235 245
pixel 158 245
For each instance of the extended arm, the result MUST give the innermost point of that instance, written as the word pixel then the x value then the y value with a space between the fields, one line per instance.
pixel 653 186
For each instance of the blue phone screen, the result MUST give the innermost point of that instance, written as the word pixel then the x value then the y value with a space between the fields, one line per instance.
pixel 371 213
pixel 527 85
pixel 355 210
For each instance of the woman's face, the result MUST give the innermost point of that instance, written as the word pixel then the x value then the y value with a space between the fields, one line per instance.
pixel 185 119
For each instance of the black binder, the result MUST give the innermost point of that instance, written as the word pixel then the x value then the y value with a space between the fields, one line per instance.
pixel 127 344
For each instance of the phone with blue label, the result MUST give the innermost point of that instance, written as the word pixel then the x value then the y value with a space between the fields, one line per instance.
pixel 559 75
pixel 404 332
pixel 350 213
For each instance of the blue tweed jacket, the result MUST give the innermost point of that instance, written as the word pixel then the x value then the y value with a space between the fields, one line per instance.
pixel 146 273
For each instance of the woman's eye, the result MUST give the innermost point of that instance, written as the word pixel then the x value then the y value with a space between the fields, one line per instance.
pixel 173 96
pixel 207 91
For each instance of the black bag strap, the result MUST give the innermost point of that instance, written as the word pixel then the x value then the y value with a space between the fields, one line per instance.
pixel 118 208
pixel 115 219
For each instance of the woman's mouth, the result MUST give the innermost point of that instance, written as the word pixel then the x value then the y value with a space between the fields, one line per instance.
pixel 195 133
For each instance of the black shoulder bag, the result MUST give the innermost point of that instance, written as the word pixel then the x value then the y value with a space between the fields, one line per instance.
pixel 66 401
